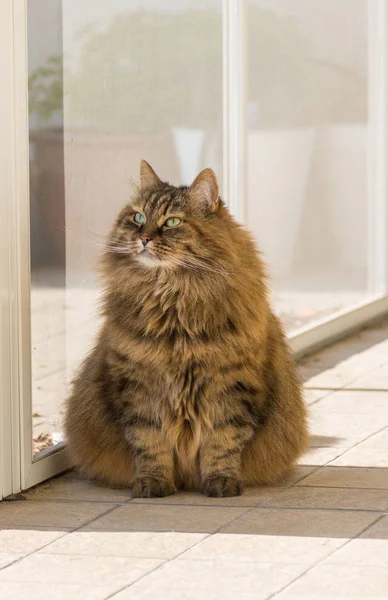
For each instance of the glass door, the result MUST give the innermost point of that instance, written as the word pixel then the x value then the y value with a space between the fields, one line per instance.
pixel 108 85
pixel 316 159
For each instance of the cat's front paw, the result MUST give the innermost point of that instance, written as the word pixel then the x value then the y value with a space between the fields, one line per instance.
pixel 151 487
pixel 221 486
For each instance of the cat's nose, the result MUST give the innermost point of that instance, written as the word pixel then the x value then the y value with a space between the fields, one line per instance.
pixel 144 239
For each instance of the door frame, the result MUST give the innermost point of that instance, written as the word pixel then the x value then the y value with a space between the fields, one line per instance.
pixel 18 469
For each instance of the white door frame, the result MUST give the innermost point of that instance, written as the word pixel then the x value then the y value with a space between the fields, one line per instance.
pixel 17 469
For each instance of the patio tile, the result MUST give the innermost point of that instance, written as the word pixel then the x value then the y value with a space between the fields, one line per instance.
pixel 344 372
pixel 355 402
pixel 251 496
pixel 12 590
pixel 310 523
pixel 378 531
pixel 70 487
pixel 362 552
pixel 378 440
pixel 77 569
pixel 343 429
pixel 135 544
pixel 25 541
pixel 330 498
pixel 142 592
pixel 337 581
pixel 264 548
pixel 150 517
pixel 299 474
pixel 7 558
pixel 217 576
pixel 49 514
pixel 376 379
pixel 343 477
pixel 312 395
pixel 319 456
pixel 362 456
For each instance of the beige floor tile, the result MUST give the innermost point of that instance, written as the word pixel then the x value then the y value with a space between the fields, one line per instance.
pixel 319 456
pixel 343 429
pixel 220 575
pixel 379 440
pixel 129 543
pixel 142 592
pixel 330 498
pixel 355 402
pixel 362 456
pixel 378 531
pixel 70 487
pixel 376 379
pixel 251 496
pixel 7 558
pixel 12 590
pixel 49 514
pixel 77 569
pixel 337 581
pixel 364 552
pixel 150 517
pixel 25 541
pixel 300 473
pixel 310 523
pixel 354 477
pixel 345 372
pixel 264 548
pixel 312 395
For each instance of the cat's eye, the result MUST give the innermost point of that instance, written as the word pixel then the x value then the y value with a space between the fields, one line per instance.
pixel 139 218
pixel 173 222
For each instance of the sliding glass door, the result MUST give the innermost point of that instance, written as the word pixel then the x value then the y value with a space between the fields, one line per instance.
pixel 316 158
pixel 285 99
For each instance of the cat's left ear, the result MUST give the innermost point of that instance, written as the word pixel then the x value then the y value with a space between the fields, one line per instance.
pixel 204 190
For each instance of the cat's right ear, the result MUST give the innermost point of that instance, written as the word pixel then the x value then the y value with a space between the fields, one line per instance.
pixel 148 177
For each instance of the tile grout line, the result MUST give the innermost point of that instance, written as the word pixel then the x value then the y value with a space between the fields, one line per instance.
pixel 355 446
pixel 181 553
pixel 167 561
pixel 322 560
pixel 343 389
pixel 71 530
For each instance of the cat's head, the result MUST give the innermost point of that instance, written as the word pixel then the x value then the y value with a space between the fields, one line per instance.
pixel 167 226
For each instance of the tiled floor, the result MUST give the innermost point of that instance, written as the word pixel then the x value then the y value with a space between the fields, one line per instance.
pixel 323 534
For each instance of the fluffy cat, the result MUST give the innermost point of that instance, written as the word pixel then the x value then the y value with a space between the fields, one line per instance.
pixel 190 383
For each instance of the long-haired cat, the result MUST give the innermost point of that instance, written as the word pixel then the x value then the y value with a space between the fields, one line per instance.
pixel 190 383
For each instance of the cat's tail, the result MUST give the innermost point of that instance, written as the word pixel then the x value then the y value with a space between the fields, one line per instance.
pixel 274 450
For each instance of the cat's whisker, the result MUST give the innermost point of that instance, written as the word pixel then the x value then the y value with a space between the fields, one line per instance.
pixel 198 263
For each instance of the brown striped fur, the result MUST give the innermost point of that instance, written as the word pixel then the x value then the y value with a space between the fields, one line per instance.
pixel 190 383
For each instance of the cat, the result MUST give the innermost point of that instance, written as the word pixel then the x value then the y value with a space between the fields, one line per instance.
pixel 190 384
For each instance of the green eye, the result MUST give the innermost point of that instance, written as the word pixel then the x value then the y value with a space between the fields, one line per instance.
pixel 173 222
pixel 139 218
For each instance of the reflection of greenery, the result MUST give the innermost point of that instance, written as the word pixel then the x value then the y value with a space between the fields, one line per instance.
pixel 45 89
pixel 150 71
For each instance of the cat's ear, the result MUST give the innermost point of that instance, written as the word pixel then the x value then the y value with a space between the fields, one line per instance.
pixel 204 190
pixel 148 177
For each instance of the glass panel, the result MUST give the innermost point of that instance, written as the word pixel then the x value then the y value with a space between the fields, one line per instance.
pixel 308 154
pixel 110 83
